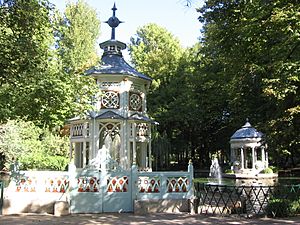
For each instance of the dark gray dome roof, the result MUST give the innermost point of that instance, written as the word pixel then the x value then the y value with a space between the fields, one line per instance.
pixel 116 65
pixel 247 131
pixel 112 61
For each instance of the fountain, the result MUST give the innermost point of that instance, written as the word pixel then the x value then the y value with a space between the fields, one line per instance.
pixel 215 170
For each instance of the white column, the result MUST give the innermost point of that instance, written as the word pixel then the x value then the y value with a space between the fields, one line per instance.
pixel 71 147
pixel 231 155
pixel 83 154
pixel 242 158
pixel 253 158
pixel 134 144
pixel 96 138
pixel 263 156
pixel 149 155
pixel 90 151
pixel 92 138
pixel 267 159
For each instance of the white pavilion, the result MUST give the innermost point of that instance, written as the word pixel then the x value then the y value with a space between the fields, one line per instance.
pixel 119 127
pixel 248 150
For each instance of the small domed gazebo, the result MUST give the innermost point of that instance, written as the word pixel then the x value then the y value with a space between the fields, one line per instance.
pixel 248 150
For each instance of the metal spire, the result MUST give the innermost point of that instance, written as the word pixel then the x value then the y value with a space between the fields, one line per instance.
pixel 113 22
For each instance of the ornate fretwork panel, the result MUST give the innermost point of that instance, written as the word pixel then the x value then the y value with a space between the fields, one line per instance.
pixel 142 130
pixel 135 102
pixel 58 184
pixel 110 100
pixel 77 130
pixel 109 139
pixel 177 184
pixel 88 184
pixel 149 184
pixel 117 184
pixel 27 184
pixel 106 85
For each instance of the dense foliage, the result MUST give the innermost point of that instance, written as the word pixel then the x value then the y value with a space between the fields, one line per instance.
pixel 256 45
pixel 245 66
pixel 43 56
pixel 32 147
pixel 39 79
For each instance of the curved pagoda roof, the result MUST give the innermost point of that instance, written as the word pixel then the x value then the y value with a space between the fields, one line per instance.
pixel 112 61
pixel 247 131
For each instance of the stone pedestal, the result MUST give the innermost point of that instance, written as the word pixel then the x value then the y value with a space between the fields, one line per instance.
pixel 61 208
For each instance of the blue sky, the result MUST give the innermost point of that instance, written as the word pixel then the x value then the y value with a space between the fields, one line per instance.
pixel 171 14
pixel 178 19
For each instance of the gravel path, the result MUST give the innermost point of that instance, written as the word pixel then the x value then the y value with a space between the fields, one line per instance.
pixel 129 218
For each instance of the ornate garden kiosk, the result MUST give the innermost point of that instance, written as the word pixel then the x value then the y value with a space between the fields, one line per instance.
pixel 119 128
pixel 110 169
pixel 248 150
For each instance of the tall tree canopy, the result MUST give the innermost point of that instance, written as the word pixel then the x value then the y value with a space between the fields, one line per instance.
pixel 256 44
pixel 38 50
pixel 187 103
pixel 26 62
pixel 155 52
pixel 77 33
pixel 246 66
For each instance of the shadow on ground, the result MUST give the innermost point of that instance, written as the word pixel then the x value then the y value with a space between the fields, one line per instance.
pixel 129 218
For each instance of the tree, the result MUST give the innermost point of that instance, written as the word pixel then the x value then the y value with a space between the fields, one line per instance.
pixel 25 56
pixel 156 52
pixel 37 83
pixel 77 33
pixel 256 45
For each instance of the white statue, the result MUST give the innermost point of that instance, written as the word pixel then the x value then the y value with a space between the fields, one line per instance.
pixel 103 155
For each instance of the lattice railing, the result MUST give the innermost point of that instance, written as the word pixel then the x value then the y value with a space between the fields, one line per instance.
pixel 117 184
pixel 228 199
pixel 149 184
pixel 88 184
pixel 26 184
pixel 177 184
pixel 32 183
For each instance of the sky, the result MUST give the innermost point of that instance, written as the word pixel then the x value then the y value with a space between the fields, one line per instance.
pixel 173 15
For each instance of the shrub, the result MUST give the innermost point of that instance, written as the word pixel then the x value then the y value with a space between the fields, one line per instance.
pixel 229 171
pixel 295 207
pixel 33 147
pixel 267 171
pixel 278 208
pixel 274 168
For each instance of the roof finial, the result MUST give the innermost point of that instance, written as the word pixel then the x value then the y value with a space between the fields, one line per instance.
pixel 113 22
